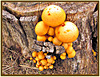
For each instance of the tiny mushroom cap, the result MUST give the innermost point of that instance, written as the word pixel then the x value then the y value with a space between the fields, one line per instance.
pixel 53 62
pixel 50 60
pixel 63 57
pixel 34 61
pixel 65 45
pixel 41 28
pixel 54 57
pixel 41 68
pixel 41 38
pixel 45 54
pixel 46 67
pixel 41 56
pixel 44 62
pixel 51 66
pixel 69 49
pixel 41 52
pixel 64 53
pixel 37 65
pixel 50 38
pixel 71 55
pixel 34 54
pixel 31 58
pixel 51 31
pixel 56 41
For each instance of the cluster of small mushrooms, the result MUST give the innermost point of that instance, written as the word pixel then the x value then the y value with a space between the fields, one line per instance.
pixel 55 29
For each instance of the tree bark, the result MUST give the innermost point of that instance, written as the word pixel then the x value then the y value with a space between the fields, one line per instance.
pixel 20 18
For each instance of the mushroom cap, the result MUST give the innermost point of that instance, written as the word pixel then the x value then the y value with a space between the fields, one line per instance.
pixel 41 38
pixel 56 41
pixel 34 61
pixel 37 59
pixel 64 53
pixel 41 56
pixel 41 28
pixel 71 55
pixel 34 54
pixel 46 67
pixel 63 57
pixel 65 45
pixel 69 49
pixel 44 62
pixel 50 38
pixel 50 60
pixel 41 68
pixel 53 15
pixel 67 32
pixel 51 31
pixel 54 57
pixel 51 66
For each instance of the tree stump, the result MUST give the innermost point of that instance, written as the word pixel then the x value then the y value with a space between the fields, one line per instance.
pixel 19 39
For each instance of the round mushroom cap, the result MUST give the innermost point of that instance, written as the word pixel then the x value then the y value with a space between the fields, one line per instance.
pixel 56 41
pixel 41 38
pixel 53 15
pixel 67 32
pixel 71 55
pixel 41 28
pixel 41 68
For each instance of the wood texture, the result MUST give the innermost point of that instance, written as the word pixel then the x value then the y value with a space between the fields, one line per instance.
pixel 19 20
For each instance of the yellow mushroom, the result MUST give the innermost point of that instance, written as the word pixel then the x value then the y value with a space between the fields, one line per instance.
pixel 65 45
pixel 56 41
pixel 51 66
pixel 41 56
pixel 51 31
pixel 53 15
pixel 50 39
pixel 41 28
pixel 50 60
pixel 67 32
pixel 41 68
pixel 71 55
pixel 69 49
pixel 34 54
pixel 41 38
pixel 63 57
pixel 44 62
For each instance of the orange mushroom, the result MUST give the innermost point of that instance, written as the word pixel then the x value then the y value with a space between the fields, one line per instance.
pixel 51 66
pixel 41 38
pixel 67 32
pixel 41 56
pixel 44 62
pixel 51 31
pixel 41 28
pixel 34 54
pixel 50 38
pixel 56 41
pixel 41 68
pixel 71 55
pixel 65 45
pixel 50 60
pixel 69 49
pixel 53 15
